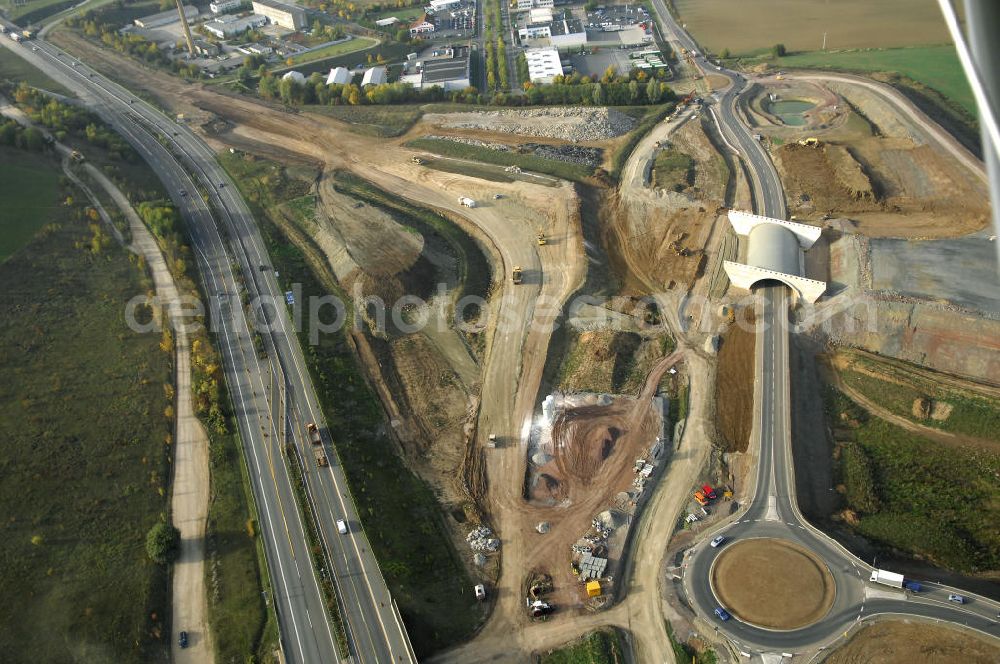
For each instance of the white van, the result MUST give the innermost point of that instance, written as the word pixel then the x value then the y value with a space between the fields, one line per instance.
pixel 342 526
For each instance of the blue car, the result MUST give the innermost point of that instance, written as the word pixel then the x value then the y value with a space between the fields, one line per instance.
pixel 722 613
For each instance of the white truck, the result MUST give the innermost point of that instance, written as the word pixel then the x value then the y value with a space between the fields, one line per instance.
pixel 467 202
pixel 886 578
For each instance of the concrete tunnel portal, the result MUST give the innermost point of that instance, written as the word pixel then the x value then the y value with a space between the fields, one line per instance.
pixel 775 252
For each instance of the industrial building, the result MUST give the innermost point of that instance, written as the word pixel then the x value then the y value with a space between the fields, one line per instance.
pixel 227 26
pixel 421 26
pixel 223 6
pixel 563 33
pixel 543 64
pixel 525 5
pixel 166 18
pixel 386 22
pixel 447 68
pixel 774 253
pixel 374 76
pixel 441 5
pixel 287 16
pixel 339 76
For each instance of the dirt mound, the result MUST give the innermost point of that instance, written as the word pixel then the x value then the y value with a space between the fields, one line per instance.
pixel 587 438
pixel 798 585
pixel 825 179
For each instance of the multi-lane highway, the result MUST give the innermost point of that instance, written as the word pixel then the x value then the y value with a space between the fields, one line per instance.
pixel 223 231
pixel 773 510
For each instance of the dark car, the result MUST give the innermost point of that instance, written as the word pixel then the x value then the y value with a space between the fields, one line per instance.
pixel 722 613
pixel 182 640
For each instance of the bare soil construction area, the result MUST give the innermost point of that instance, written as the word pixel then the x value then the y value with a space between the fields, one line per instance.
pixel 734 383
pixel 869 164
pixel 798 585
pixel 917 641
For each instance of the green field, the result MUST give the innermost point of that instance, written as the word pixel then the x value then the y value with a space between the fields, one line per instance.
pixel 14 68
pixel 600 647
pixel 29 187
pixel 937 67
pixel 404 14
pixel 913 495
pixel 745 27
pixel 84 470
pixel 343 48
pixel 27 12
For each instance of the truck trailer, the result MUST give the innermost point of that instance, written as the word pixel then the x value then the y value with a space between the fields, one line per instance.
pixel 886 578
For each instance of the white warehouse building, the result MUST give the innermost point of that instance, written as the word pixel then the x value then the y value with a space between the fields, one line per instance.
pixel 339 76
pixel 543 64
pixel 374 76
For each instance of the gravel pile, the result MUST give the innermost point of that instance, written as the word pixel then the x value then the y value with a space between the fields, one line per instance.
pixel 481 539
pixel 566 123
pixel 573 154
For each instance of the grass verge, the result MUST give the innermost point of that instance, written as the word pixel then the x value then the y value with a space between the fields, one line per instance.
pixel 84 463
pixel 602 646
pixel 912 495
pixel 14 68
pixel 560 169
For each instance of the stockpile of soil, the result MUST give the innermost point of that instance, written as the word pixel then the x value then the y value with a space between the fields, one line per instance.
pixel 734 385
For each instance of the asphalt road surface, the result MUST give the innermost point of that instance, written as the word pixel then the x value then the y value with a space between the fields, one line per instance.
pixel 262 389
pixel 773 511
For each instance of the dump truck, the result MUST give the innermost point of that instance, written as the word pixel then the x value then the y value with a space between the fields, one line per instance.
pixel 314 436
pixel 886 578
pixel 810 142
pixel 467 202
pixel 76 156
pixel 416 160
pixel 541 239
pixel 517 275
pixel 320 455
pixel 700 497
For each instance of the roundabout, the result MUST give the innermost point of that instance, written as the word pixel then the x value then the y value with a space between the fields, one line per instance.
pixel 799 588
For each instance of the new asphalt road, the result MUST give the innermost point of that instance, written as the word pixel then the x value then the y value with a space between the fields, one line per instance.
pixel 773 511
pixel 273 397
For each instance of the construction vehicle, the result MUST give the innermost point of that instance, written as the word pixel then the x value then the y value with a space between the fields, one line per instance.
pixel 76 156
pixel 491 440
pixel 480 590
pixel 416 160
pixel 320 455
pixel 541 239
pixel 466 202
pixel 517 275
pixel 700 497
pixel 709 492
pixel 314 436
pixel 811 142
pixel 886 578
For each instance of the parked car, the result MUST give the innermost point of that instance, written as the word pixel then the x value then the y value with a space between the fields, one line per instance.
pixel 722 614
pixel 718 541
pixel 957 599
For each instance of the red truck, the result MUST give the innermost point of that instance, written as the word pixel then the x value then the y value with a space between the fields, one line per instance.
pixel 708 491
